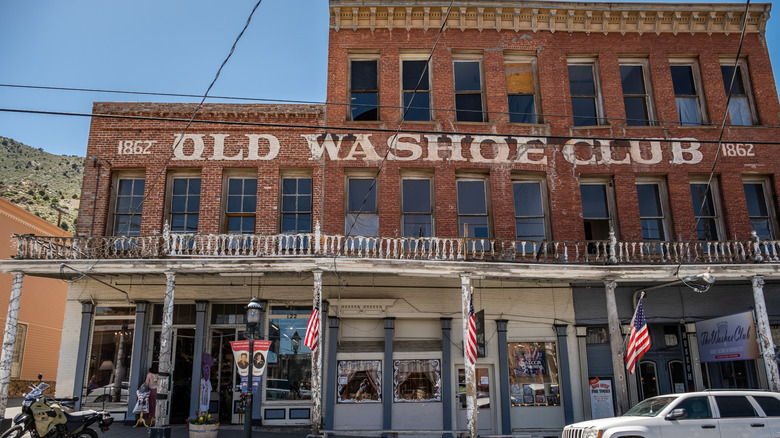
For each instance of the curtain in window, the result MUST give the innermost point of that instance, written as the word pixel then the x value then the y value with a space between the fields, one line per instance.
pixel 739 111
pixel 431 369
pixel 347 372
pixel 688 110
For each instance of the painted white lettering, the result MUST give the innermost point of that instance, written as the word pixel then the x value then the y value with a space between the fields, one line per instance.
pixel 366 148
pixel 453 148
pixel 327 144
pixel 500 149
pixel 219 149
pixel 254 147
pixel 679 152
pixel 655 152
pixel 524 149
pixel 606 151
pixel 571 155
pixel 395 145
pixel 180 147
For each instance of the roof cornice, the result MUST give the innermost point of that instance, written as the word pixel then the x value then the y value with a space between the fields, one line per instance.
pixel 709 18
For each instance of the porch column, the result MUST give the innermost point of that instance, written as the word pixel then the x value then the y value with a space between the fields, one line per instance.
pixel 505 402
pixel 616 342
pixel 330 381
pixel 137 370
pixel 197 355
pixel 316 359
pixel 470 368
pixel 764 334
pixel 561 330
pixel 161 427
pixel 446 374
pixel 582 349
pixel 9 338
pixel 387 376
pixel 87 313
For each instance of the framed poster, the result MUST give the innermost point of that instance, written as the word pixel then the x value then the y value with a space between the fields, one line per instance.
pixel 602 400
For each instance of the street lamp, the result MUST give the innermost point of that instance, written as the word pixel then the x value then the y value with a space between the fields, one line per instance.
pixel 296 342
pixel 253 310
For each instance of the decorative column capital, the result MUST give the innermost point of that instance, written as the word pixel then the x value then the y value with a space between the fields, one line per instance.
pixel 446 323
pixel 87 307
pixel 390 323
pixel 200 305
pixel 501 325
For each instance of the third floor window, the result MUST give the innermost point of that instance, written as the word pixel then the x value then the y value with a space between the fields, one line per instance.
pixel 636 98
pixel 740 105
pixel 521 90
pixel 468 91
pixel 585 99
pixel 364 90
pixel 416 90
pixel 686 93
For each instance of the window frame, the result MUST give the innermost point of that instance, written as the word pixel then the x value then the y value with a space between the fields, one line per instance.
pixel 545 203
pixel 470 57
pixel 412 175
pixel 697 83
pixel 714 193
pixel 766 186
pixel 169 183
pixel 609 193
pixel 485 179
pixel 411 57
pixel 227 175
pixel 598 98
pixel 744 76
pixel 297 175
pixel 350 91
pixel 524 384
pixel 359 175
pixel 517 58
pixel 116 177
pixel 644 65
pixel 663 193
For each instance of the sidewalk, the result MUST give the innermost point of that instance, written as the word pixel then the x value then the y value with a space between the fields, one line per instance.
pixel 120 430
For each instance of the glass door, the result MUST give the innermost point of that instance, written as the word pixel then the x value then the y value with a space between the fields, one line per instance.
pixel 484 398
pixel 181 375
pixel 222 373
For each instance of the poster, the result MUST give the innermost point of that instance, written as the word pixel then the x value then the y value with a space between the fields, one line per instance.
pixel 601 398
pixel 730 337
pixel 259 361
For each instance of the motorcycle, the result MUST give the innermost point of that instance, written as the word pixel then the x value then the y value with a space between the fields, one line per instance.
pixel 42 416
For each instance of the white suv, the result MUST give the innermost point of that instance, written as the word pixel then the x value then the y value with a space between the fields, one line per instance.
pixel 715 414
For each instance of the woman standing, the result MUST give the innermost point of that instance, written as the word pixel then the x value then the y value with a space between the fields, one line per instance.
pixel 151 383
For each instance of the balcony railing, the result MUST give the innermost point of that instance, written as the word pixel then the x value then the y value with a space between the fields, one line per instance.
pixel 174 245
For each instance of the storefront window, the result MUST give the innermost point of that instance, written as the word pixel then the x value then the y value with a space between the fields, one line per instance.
pixel 533 374
pixel 417 380
pixel 109 362
pixel 360 381
pixel 288 374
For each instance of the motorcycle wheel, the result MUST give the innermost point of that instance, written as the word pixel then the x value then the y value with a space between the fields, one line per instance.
pixel 86 433
pixel 15 432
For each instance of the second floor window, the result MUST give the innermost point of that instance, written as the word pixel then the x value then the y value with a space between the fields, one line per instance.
pixel 705 211
pixel 585 100
pixel 686 94
pixel 652 211
pixel 416 207
pixel 521 91
pixel 468 91
pixel 760 209
pixel 296 205
pixel 416 91
pixel 185 205
pixel 530 210
pixel 596 211
pixel 473 220
pixel 128 206
pixel 362 216
pixel 636 99
pixel 364 90
pixel 241 205
pixel 740 108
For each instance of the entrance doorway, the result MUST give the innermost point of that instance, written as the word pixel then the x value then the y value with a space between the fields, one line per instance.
pixel 485 423
pixel 181 374
pixel 222 373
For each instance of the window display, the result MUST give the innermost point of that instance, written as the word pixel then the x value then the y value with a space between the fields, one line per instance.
pixel 417 380
pixel 360 381
pixel 533 374
pixel 288 375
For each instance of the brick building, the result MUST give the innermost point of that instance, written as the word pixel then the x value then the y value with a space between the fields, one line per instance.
pixel 551 162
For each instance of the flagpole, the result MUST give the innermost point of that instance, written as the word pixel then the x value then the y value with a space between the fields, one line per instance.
pixel 469 366
pixel 316 359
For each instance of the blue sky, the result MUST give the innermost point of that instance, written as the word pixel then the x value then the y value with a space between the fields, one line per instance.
pixel 169 46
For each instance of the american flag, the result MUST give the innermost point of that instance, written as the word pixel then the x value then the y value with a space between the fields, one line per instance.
pixel 471 336
pixel 638 340
pixel 313 327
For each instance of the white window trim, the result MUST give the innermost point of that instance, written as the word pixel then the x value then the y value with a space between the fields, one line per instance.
pixel 768 197
pixel 372 56
pixel 610 191
pixel 593 62
pixel 543 192
pixel 663 192
pixel 115 177
pixel 649 103
pixel 522 58
pixel 745 76
pixel 416 57
pixel 714 192
pixel 470 57
pixel 694 64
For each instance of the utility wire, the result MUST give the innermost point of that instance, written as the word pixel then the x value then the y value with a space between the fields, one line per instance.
pixel 354 128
